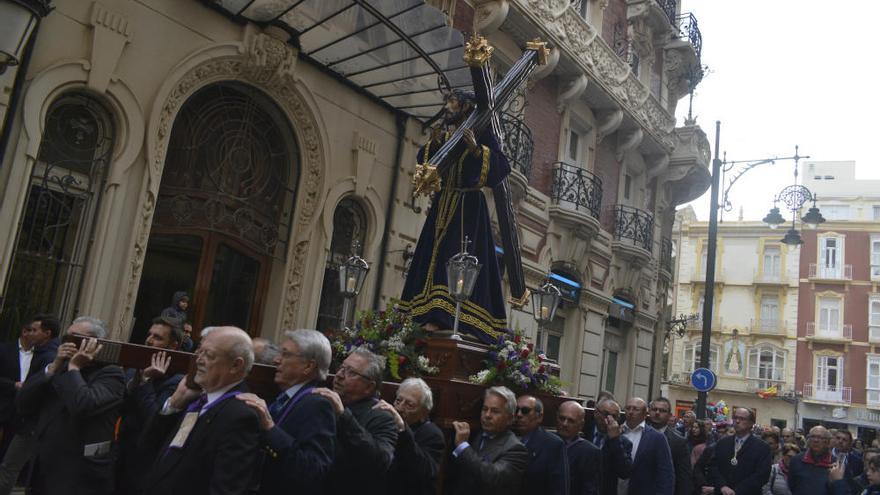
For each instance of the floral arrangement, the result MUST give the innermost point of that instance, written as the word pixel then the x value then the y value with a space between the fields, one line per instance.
pixel 513 362
pixel 391 334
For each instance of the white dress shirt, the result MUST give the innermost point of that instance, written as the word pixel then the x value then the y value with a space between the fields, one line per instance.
pixel 24 361
pixel 634 435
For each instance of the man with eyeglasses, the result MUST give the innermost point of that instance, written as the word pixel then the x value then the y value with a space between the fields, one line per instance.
pixel 299 426
pixel 615 448
pixel 652 470
pixel 808 472
pixel 420 442
pixel 547 471
pixel 740 464
pixel 492 461
pixel 365 437
pixel 584 458
pixel 659 415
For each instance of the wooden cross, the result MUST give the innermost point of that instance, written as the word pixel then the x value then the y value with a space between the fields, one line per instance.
pixel 491 98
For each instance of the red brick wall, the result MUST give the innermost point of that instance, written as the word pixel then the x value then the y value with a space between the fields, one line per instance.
pixel 855 309
pixel 608 169
pixel 615 13
pixel 463 19
pixel 545 123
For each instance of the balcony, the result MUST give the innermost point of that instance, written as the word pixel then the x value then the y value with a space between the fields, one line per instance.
pixel 839 273
pixel 770 279
pixel 518 144
pixel 576 198
pixel 828 394
pixel 689 31
pixel 759 384
pixel 832 334
pixel 634 226
pixel 768 327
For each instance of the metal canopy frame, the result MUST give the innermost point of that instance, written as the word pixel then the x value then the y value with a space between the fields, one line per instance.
pixel 390 45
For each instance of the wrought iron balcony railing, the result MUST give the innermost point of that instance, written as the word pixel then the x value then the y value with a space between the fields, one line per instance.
pixel 634 225
pixel 831 332
pixel 669 8
pixel 838 272
pixel 518 143
pixel 666 254
pixel 689 31
pixel 576 188
pixel 828 393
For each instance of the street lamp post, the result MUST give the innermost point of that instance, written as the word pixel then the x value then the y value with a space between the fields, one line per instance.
pixel 794 197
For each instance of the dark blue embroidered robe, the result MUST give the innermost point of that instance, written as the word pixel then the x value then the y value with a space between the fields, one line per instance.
pixel 459 209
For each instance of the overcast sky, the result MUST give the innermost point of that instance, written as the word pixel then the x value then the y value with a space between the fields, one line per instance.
pixel 785 73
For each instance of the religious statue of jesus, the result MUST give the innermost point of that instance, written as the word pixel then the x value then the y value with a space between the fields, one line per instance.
pixel 458 209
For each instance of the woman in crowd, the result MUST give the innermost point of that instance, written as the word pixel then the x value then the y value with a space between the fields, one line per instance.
pixel 697 439
pixel 778 483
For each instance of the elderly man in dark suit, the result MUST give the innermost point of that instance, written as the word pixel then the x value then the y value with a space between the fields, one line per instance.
pixel 211 441
pixel 652 470
pixel 740 463
pixel 547 471
pixel 78 403
pixel 365 437
pixel 146 392
pixel 616 450
pixel 299 426
pixel 583 457
pixel 492 461
pixel 659 417
pixel 420 443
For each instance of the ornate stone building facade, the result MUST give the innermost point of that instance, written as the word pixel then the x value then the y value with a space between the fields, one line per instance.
pixel 236 150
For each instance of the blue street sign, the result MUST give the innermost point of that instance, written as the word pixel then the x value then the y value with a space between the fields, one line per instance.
pixel 703 379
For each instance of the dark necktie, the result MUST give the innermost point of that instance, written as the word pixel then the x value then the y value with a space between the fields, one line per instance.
pixel 277 406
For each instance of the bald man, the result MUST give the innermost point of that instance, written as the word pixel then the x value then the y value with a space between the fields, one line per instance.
pixel 211 441
pixel 583 456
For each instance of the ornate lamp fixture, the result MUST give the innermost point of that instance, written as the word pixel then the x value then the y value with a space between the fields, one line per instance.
pixel 18 18
pixel 545 300
pixel 352 274
pixel 461 275
pixel 794 197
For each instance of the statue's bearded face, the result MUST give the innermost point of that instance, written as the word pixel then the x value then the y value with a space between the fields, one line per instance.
pixel 455 111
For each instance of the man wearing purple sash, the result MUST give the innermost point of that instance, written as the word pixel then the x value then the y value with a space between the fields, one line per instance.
pixel 299 426
pixel 211 441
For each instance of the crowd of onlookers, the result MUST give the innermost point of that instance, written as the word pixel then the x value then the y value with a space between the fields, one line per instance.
pixel 72 425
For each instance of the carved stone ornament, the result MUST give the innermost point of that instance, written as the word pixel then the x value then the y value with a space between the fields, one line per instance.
pixel 565 29
pixel 267 63
pixel 489 15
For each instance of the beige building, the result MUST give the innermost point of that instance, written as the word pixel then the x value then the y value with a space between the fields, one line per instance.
pixel 236 149
pixel 754 332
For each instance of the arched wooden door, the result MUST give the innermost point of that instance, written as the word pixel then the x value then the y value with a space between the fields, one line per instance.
pixel 222 219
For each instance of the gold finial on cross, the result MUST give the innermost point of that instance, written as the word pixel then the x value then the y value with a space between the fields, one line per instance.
pixel 477 51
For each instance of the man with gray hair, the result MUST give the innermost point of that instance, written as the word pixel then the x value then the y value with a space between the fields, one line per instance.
pixel 77 402
pixel 420 443
pixel 205 441
pixel 299 426
pixel 492 461
pixel 365 437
